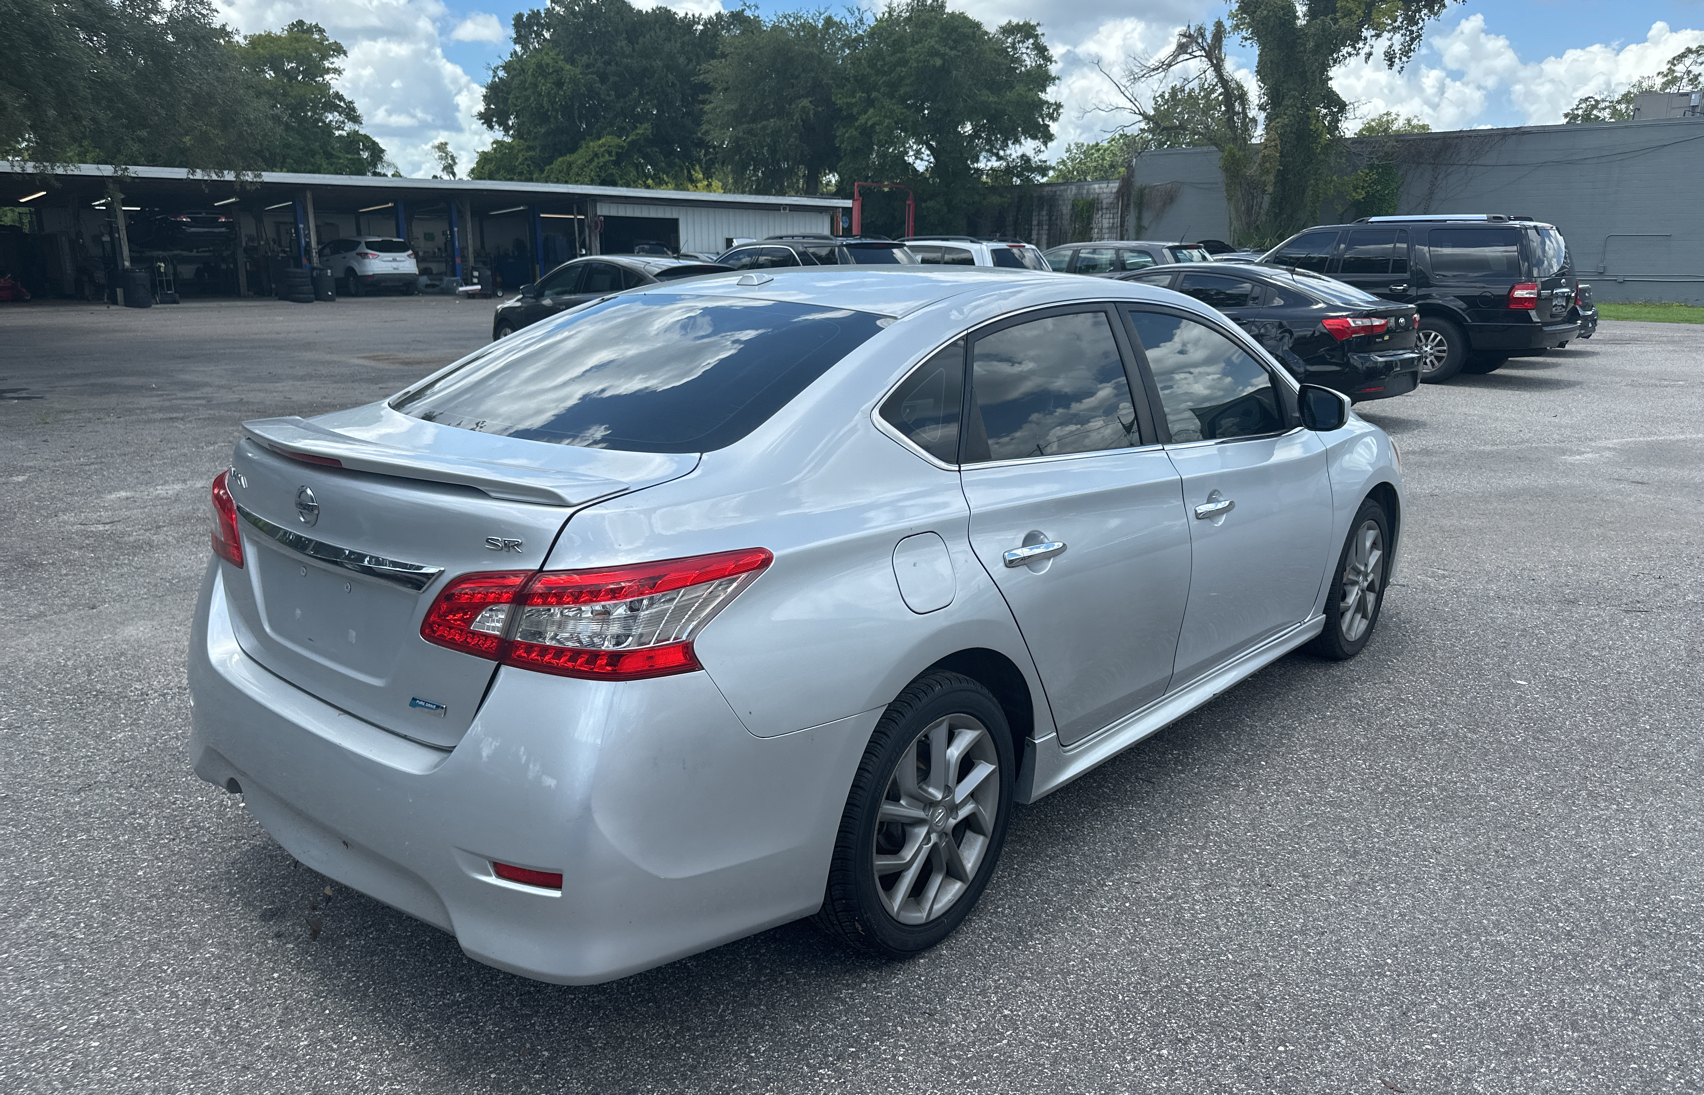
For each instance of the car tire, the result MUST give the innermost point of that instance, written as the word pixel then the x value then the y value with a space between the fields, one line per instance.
pixel 924 821
pixel 1443 349
pixel 504 330
pixel 410 289
pixel 352 283
pixel 1480 365
pixel 1357 588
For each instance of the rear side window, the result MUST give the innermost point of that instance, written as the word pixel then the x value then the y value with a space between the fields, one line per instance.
pixel 1210 388
pixel 879 254
pixel 925 407
pixel 1218 291
pixel 1095 260
pixel 647 373
pixel 1466 253
pixel 822 255
pixel 1134 260
pixel 1046 387
pixel 957 256
pixel 1308 251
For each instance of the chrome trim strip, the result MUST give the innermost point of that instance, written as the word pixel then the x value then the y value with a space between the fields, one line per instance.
pixel 412 576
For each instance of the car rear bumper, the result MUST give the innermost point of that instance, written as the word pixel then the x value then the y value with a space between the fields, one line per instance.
pixel 675 828
pixel 390 277
pixel 1497 337
pixel 1363 376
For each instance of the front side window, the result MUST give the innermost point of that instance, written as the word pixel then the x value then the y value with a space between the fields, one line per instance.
pixel 1219 291
pixel 1134 260
pixel 601 277
pixel 1210 388
pixel 1308 251
pixel 1463 254
pixel 646 373
pixel 925 407
pixel 561 281
pixel 1095 260
pixel 1047 387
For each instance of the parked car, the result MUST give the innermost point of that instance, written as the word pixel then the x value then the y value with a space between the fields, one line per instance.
pixel 1487 286
pixel 1118 256
pixel 1323 331
pixel 724 602
pixel 779 252
pixel 362 264
pixel 1583 310
pixel 189 229
pixel 579 280
pixel 970 251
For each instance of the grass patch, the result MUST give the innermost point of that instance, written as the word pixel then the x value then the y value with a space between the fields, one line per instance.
pixel 1652 313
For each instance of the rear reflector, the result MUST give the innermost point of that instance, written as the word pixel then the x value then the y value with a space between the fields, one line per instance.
pixel 227 540
pixel 1342 327
pixel 1524 295
pixel 614 624
pixel 526 876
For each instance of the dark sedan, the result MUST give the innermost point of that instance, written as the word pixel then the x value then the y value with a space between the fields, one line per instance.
pixel 1325 332
pixel 585 279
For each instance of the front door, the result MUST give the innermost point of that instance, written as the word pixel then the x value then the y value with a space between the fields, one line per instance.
pixel 1256 497
pixel 1075 513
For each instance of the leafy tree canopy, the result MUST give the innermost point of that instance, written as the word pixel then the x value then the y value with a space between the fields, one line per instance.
pixel 1684 72
pixel 930 96
pixel 315 128
pixel 601 70
pixel 771 117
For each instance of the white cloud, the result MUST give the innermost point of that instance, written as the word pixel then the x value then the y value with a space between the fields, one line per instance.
pixel 479 27
pixel 1461 72
pixel 410 95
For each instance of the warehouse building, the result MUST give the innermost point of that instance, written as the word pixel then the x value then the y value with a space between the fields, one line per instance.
pixel 74 238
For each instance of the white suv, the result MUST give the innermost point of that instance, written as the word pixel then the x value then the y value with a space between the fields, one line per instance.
pixel 363 263
pixel 970 251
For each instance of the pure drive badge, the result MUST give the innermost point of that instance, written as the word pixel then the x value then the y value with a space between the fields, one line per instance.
pixel 428 706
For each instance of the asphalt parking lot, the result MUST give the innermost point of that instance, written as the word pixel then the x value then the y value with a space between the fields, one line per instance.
pixel 1472 860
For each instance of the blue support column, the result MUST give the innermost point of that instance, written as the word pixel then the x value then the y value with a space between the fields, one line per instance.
pixel 301 233
pixel 455 241
pixel 401 223
pixel 538 242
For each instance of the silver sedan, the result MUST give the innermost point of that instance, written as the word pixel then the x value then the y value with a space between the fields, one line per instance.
pixel 713 605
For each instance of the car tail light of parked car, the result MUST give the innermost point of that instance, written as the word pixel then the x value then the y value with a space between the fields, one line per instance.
pixel 1342 327
pixel 619 623
pixel 227 541
pixel 1524 295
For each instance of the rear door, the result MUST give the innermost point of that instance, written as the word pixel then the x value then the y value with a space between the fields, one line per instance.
pixel 1075 512
pixel 1473 267
pixel 557 291
pixel 1256 497
pixel 1243 302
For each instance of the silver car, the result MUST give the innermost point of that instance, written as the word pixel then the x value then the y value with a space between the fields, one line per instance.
pixel 712 605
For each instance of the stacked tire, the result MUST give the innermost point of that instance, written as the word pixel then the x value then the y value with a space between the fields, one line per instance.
pixel 296 285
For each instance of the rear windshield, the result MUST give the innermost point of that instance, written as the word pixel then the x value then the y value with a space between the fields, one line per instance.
pixel 1190 254
pixel 1018 258
pixel 689 270
pixel 1551 254
pixel 385 246
pixel 873 254
pixel 1329 290
pixel 649 373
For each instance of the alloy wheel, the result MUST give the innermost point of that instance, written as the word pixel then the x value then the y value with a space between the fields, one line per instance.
pixel 936 820
pixel 1434 350
pixel 1362 574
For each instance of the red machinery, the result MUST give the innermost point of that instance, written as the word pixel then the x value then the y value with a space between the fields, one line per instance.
pixel 858 206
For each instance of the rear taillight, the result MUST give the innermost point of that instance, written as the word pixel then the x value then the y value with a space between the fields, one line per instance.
pixel 619 623
pixel 1342 327
pixel 366 255
pixel 1524 295
pixel 526 876
pixel 227 540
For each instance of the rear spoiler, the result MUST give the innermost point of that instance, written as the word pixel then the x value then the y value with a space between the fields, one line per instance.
pixel 299 439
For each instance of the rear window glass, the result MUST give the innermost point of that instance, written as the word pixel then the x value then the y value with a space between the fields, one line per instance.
pixel 1475 252
pixel 876 254
pixel 1551 253
pixel 1190 254
pixel 386 247
pixel 1329 290
pixel 650 373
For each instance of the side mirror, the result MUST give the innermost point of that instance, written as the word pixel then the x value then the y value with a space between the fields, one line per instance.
pixel 1323 409
pixel 528 290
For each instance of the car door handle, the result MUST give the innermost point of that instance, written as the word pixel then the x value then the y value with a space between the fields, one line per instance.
pixel 1206 511
pixel 1034 553
pixel 1396 289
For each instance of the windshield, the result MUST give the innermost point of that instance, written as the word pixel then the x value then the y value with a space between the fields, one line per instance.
pixel 648 373
pixel 1551 253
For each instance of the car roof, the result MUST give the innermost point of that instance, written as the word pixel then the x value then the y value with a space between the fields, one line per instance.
pixel 900 291
pixel 1122 243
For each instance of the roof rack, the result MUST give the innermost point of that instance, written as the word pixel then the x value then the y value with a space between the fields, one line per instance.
pixel 942 238
pixel 804 236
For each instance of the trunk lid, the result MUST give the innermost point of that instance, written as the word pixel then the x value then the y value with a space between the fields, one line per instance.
pixel 342 562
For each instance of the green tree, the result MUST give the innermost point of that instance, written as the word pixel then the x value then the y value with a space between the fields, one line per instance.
pixel 1299 43
pixel 1684 72
pixel 1108 159
pixel 771 114
pixel 931 97
pixel 1376 188
pixel 446 159
pixel 590 70
pixel 315 128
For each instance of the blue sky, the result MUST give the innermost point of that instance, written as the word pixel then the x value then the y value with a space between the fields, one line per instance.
pixel 416 67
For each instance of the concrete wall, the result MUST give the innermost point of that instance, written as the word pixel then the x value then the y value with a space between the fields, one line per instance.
pixel 707 230
pixel 1621 192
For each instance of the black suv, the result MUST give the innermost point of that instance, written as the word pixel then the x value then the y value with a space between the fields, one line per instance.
pixel 1488 287
pixel 777 251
